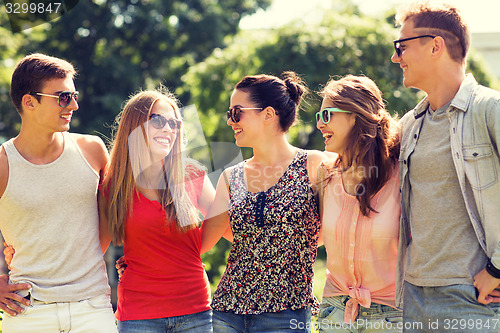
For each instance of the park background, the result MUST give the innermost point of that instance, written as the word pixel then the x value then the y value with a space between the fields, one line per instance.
pixel 200 49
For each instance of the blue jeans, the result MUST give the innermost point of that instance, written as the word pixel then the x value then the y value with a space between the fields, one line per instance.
pixel 268 322
pixel 447 309
pixel 200 322
pixel 376 318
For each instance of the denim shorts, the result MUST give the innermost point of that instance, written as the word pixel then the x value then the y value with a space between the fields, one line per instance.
pixel 268 322
pixel 376 318
pixel 200 322
pixel 447 309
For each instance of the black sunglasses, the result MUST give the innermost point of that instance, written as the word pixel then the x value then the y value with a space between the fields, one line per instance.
pixel 158 122
pixel 63 99
pixel 397 43
pixel 234 113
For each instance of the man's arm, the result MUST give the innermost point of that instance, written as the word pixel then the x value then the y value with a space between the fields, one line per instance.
pixel 95 152
pixel 486 281
pixel 104 236
pixel 4 171
pixel 7 291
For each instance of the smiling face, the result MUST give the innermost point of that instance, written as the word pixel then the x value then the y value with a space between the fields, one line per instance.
pixel 161 140
pixel 337 130
pixel 414 58
pixel 248 128
pixel 48 115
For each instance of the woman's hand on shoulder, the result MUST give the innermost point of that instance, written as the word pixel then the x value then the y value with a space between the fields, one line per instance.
pixel 314 159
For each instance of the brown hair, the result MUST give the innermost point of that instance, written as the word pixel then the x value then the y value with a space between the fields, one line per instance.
pixel 443 20
pixel 283 95
pixel 32 72
pixel 373 142
pixel 129 158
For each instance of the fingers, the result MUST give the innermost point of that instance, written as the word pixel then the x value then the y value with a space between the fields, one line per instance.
pixel 11 303
pixel 495 293
pixel 120 266
pixel 8 253
pixel 493 297
pixel 11 308
pixel 14 305
pixel 19 286
pixel 120 272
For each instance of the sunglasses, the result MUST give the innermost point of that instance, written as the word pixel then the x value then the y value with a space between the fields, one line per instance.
pixel 397 43
pixel 64 97
pixel 325 114
pixel 159 122
pixel 234 113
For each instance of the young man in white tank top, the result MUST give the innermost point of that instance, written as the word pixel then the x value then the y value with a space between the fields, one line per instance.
pixel 48 209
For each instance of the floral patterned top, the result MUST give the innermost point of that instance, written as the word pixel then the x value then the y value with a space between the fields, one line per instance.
pixel 270 265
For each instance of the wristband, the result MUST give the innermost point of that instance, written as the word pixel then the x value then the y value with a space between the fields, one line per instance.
pixel 492 270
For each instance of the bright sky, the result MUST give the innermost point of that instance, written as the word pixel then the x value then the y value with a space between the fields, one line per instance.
pixel 481 15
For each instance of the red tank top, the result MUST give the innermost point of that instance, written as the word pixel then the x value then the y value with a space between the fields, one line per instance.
pixel 165 276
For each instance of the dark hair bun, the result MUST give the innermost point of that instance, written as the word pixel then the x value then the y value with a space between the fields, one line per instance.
pixel 296 87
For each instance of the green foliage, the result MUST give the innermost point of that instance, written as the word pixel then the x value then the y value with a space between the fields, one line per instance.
pixel 9 45
pixel 215 261
pixel 345 42
pixel 121 46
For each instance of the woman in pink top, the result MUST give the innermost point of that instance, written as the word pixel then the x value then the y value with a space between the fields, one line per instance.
pixel 360 214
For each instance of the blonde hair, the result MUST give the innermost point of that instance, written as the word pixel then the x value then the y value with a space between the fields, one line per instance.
pixel 130 157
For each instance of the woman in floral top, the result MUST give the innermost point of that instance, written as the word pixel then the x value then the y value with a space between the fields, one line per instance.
pixel 268 205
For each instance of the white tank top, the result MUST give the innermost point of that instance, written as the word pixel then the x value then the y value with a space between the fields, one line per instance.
pixel 49 214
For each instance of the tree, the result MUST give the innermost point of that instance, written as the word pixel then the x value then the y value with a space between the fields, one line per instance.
pixel 121 46
pixel 9 45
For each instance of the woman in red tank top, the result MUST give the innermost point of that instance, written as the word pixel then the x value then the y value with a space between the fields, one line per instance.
pixel 151 200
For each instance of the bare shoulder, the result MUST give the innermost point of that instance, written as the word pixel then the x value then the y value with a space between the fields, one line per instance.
pixel 4 170
pixel 315 157
pixel 88 141
pixel 225 175
pixel 94 150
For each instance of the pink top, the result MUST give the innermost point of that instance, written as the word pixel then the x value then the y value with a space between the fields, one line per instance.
pixel 361 251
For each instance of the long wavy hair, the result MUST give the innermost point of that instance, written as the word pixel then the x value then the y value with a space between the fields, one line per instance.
pixel 373 142
pixel 131 157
